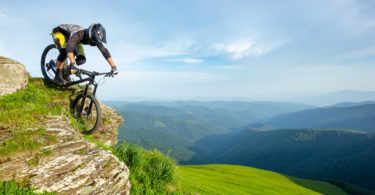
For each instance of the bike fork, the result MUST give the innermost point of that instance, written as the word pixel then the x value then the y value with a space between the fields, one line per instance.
pixel 83 99
pixel 92 101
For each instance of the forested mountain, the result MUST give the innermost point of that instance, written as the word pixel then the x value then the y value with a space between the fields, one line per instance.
pixel 220 114
pixel 339 155
pixel 171 135
pixel 173 127
pixel 360 116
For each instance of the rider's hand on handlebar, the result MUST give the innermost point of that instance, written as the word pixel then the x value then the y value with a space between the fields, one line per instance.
pixel 113 71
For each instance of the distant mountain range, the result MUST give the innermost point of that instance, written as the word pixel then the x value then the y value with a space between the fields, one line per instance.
pixel 359 116
pixel 336 97
pixel 173 127
pixel 335 143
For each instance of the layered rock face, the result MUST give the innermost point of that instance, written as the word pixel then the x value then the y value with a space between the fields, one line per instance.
pixel 71 166
pixel 107 132
pixel 68 164
pixel 13 76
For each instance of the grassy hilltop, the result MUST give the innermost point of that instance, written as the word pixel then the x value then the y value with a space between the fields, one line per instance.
pixel 232 179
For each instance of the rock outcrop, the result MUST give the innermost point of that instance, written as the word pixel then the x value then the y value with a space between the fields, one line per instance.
pixel 13 76
pixel 68 164
pixel 107 132
pixel 73 165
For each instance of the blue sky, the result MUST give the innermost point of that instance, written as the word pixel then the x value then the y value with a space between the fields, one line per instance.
pixel 254 50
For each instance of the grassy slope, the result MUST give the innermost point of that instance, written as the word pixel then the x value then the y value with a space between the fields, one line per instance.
pixel 233 179
pixel 25 110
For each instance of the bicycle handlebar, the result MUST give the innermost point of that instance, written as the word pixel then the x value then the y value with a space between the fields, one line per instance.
pixel 94 73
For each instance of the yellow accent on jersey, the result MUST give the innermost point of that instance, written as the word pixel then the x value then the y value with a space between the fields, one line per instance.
pixel 60 42
pixel 59 39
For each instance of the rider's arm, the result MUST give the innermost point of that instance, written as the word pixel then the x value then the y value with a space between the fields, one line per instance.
pixel 72 44
pixel 106 54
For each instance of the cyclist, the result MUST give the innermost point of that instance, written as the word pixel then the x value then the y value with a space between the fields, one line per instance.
pixel 69 39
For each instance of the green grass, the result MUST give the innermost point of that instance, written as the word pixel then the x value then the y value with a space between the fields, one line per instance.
pixel 22 115
pixel 12 187
pixel 233 179
pixel 24 142
pixel 26 108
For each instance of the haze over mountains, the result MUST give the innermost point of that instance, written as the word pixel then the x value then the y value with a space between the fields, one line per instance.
pixel 318 99
pixel 359 116
pixel 335 143
pixel 336 97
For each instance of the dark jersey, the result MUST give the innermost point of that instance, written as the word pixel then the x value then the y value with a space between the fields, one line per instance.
pixel 82 37
pixel 77 34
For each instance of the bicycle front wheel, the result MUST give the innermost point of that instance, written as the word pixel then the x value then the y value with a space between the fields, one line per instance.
pixel 86 110
pixel 48 62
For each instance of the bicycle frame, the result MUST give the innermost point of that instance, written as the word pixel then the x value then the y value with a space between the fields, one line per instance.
pixel 91 80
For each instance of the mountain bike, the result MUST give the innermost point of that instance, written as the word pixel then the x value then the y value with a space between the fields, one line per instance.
pixel 85 107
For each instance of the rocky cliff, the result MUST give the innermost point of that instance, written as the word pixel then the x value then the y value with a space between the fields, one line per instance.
pixel 38 144
pixel 13 76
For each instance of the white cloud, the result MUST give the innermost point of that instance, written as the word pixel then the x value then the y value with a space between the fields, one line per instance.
pixel 187 60
pixel 168 76
pixel 133 52
pixel 244 48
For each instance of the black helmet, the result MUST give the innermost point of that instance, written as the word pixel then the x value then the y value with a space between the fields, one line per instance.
pixel 97 33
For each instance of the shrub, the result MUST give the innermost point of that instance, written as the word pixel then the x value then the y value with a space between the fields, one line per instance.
pixel 160 168
pixel 151 172
pixel 132 155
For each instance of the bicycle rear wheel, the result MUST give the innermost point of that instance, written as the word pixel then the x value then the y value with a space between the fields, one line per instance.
pixel 86 110
pixel 48 62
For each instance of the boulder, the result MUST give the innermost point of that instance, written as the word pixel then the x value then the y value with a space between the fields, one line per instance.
pixel 13 76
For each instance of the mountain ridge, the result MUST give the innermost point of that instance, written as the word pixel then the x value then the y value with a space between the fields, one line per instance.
pixel 358 116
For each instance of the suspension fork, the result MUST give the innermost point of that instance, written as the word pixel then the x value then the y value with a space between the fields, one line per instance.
pixel 92 101
pixel 84 99
pixel 92 82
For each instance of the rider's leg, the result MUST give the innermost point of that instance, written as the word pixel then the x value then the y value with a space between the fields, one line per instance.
pixel 60 64
pixel 80 59
pixel 59 79
pixel 60 42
